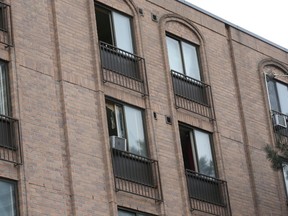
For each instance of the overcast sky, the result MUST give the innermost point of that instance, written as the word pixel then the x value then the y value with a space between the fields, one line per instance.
pixel 268 19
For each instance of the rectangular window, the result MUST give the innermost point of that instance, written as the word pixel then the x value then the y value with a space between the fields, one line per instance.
pixel 285 174
pixel 3 17
pixel 183 58
pixel 278 95
pixel 126 122
pixel 8 198
pixel 114 28
pixel 197 151
pixel 4 90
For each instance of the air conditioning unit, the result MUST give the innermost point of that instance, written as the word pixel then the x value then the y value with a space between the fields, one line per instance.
pixel 118 143
pixel 280 121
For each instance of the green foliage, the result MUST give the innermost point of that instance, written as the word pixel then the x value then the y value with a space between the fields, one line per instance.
pixel 278 154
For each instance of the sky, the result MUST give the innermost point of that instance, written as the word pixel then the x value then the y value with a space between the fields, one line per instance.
pixel 268 19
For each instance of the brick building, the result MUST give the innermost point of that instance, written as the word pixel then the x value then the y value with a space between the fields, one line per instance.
pixel 137 107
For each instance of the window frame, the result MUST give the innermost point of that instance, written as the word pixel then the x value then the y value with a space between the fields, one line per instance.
pixel 4 66
pixel 136 213
pixel 194 149
pixel 144 125
pixel 15 194
pixel 102 7
pixel 197 49
pixel 275 88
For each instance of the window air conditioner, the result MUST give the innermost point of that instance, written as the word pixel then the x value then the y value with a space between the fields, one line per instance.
pixel 280 121
pixel 118 143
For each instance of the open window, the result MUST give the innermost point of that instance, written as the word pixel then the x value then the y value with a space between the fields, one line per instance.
pixel 197 151
pixel 114 28
pixel 8 194
pixel 126 122
pixel 206 192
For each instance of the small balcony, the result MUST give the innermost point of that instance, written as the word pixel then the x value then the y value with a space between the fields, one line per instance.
pixel 5 24
pixel 123 68
pixel 136 174
pixel 208 194
pixel 10 149
pixel 192 95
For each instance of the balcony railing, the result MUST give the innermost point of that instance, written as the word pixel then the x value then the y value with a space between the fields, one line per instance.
pixel 10 148
pixel 208 194
pixel 136 174
pixel 192 95
pixel 281 132
pixel 5 24
pixel 123 68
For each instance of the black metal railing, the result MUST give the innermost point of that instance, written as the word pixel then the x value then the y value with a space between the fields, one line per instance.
pixel 281 131
pixel 136 174
pixel 5 24
pixel 10 148
pixel 192 94
pixel 208 194
pixel 123 68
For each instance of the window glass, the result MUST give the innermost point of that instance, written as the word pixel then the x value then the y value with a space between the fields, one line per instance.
pixel 273 96
pixel 191 61
pixel 204 153
pixel 123 34
pixel 125 213
pixel 285 173
pixel 283 97
pixel 7 199
pixel 135 131
pixel 174 55
pixel 3 90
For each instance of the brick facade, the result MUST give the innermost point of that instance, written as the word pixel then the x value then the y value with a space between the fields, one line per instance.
pixel 58 96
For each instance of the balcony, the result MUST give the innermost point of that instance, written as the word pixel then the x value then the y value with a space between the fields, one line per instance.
pixel 208 194
pixel 192 95
pixel 10 149
pixel 281 131
pixel 136 174
pixel 123 68
pixel 5 25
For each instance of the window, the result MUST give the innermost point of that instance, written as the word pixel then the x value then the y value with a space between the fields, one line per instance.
pixel 3 19
pixel 183 57
pixel 126 122
pixel 130 213
pixel 197 151
pixel 6 128
pixel 114 28
pixel 8 198
pixel 278 95
pixel 4 90
pixel 285 174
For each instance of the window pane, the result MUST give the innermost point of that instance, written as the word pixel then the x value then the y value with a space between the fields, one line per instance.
pixel 7 199
pixel 174 55
pixel 123 32
pixel 135 131
pixel 285 173
pixel 104 29
pixel 273 96
pixel 125 213
pixel 4 108
pixel 283 97
pixel 191 61
pixel 204 153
